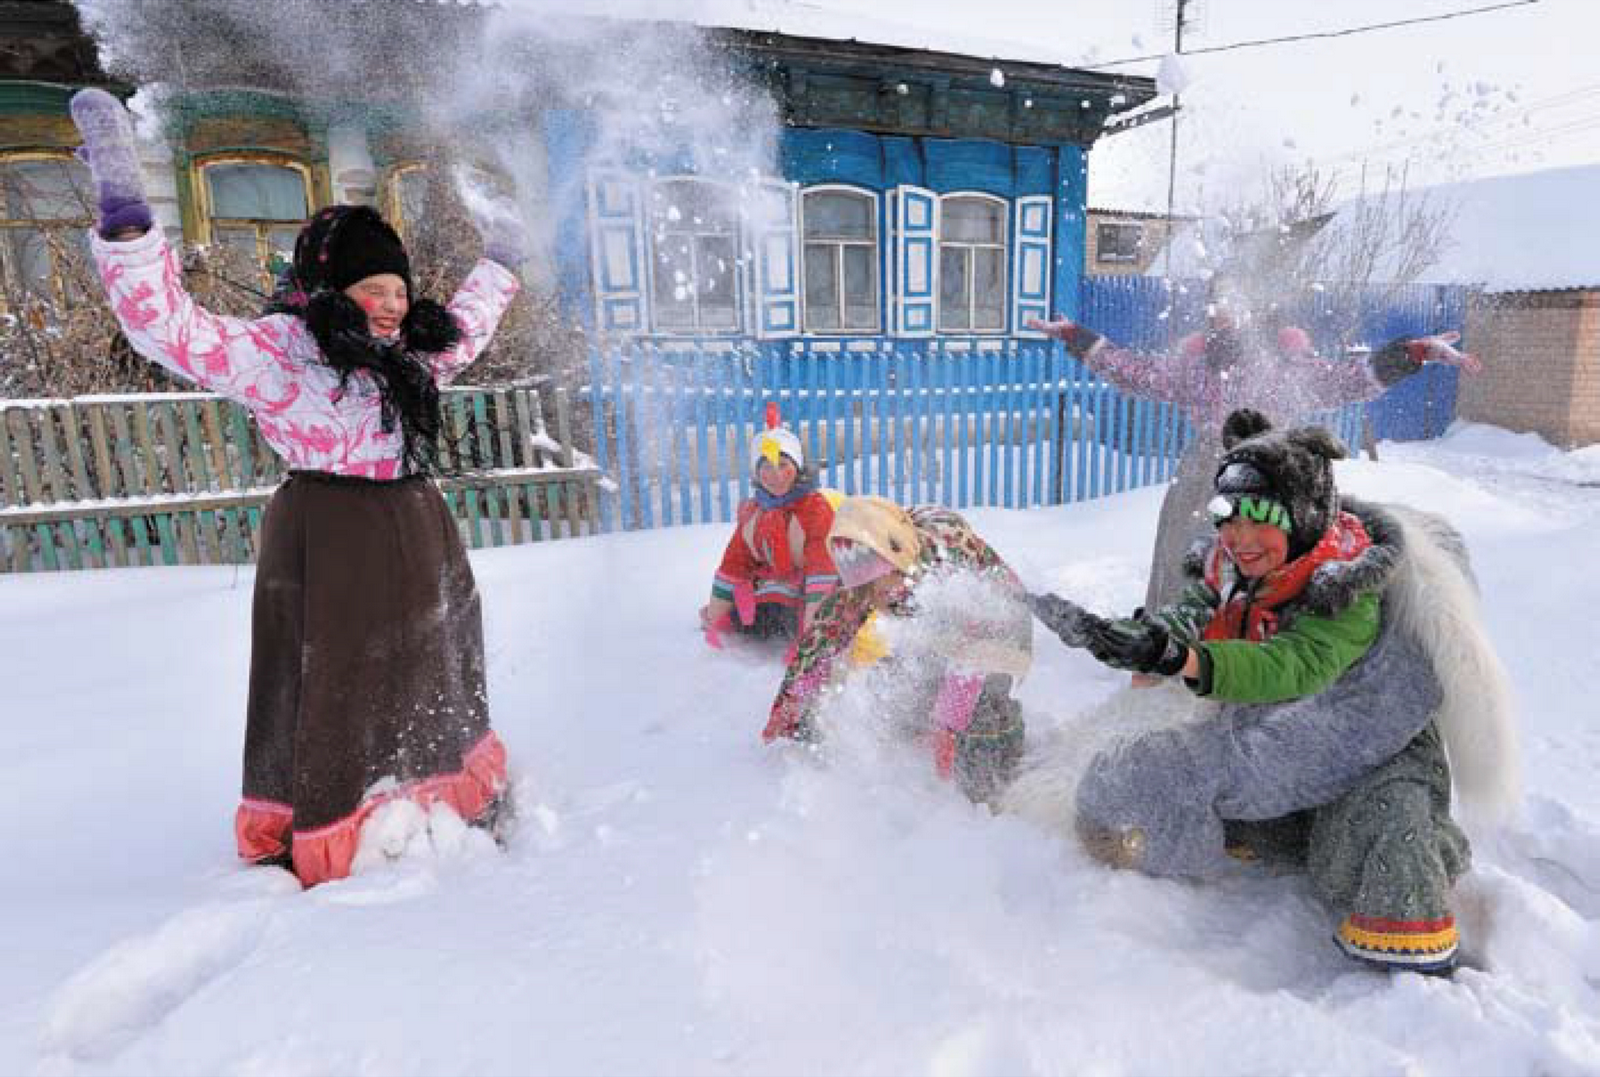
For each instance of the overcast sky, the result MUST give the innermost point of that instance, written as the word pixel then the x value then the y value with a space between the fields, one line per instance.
pixel 1505 91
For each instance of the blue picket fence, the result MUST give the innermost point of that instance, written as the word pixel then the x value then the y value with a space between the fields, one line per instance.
pixel 1017 427
pixel 965 422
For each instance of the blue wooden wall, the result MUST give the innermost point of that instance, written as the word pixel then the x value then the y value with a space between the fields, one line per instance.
pixel 876 163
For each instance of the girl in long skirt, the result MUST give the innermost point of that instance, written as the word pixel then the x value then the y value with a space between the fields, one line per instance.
pixel 366 672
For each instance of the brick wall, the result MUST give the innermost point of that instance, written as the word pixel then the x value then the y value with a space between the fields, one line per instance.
pixel 1541 358
pixel 1585 428
pixel 1154 238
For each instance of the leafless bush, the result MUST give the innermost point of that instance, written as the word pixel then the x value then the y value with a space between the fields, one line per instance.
pixel 536 343
pixel 58 337
pixel 1298 238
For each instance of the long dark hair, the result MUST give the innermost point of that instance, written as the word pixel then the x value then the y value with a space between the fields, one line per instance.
pixel 408 393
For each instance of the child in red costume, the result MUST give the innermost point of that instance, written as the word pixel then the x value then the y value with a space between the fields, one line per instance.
pixel 776 567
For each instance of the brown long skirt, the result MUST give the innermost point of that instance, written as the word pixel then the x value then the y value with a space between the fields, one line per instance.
pixel 366 670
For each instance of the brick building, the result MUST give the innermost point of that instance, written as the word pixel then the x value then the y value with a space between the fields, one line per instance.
pixel 1122 243
pixel 1541 354
pixel 1531 242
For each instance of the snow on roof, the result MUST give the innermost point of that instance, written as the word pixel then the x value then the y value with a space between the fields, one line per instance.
pixel 1535 231
pixel 1530 232
pixel 812 20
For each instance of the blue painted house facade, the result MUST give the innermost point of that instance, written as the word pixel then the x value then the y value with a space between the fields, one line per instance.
pixel 910 197
pixel 917 197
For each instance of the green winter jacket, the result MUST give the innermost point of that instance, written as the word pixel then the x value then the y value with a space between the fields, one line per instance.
pixel 1258 641
pixel 1301 660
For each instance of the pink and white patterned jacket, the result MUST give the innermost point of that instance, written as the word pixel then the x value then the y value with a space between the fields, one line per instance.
pixel 272 365
pixel 1288 382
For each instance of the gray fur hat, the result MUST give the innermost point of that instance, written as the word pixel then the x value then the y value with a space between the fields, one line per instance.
pixel 1292 467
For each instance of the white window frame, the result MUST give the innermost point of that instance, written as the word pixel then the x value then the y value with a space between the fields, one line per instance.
pixel 875 244
pixel 52 228
pixel 1004 250
pixel 652 260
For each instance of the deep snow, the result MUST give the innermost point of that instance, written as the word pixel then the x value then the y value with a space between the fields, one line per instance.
pixel 681 899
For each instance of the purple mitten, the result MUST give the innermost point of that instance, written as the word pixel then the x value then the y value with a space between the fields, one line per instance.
pixel 505 240
pixel 109 151
pixel 496 218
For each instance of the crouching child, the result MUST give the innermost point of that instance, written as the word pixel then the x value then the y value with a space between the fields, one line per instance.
pixel 776 567
pixel 1341 645
pixel 927 607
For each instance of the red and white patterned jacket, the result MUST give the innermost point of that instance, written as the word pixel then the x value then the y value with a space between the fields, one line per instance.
pixel 781 553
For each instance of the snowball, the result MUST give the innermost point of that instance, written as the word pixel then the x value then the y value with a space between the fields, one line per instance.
pixel 1171 76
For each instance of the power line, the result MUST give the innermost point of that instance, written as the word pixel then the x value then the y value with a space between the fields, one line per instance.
pixel 1494 132
pixel 1348 31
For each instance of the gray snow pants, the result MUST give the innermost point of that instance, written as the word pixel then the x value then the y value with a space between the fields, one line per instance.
pixel 989 750
pixel 1387 849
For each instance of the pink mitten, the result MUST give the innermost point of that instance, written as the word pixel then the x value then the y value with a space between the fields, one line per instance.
pixel 1441 349
pixel 713 630
pixel 744 601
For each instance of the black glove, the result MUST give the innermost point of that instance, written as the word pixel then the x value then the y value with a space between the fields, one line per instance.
pixel 1068 620
pixel 1135 644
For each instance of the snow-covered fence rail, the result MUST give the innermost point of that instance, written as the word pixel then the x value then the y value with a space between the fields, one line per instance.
pixel 181 478
pixel 1015 425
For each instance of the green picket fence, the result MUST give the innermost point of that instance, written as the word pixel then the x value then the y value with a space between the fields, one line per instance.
pixel 182 478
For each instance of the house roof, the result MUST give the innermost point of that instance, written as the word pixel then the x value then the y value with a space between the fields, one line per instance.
pixel 1139 214
pixel 40 40
pixel 809 20
pixel 1532 232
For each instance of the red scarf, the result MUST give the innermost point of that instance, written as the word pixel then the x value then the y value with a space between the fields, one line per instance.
pixel 1251 613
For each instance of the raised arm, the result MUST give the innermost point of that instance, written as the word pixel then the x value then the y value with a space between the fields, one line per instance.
pixel 477 307
pixel 1176 378
pixel 1330 383
pixel 488 290
pixel 242 359
pixel 246 360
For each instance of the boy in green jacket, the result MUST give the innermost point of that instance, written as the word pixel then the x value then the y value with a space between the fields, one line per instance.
pixel 1324 745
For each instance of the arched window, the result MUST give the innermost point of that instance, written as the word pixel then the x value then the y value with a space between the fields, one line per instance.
pixel 694 269
pixel 972 264
pixel 256 207
pixel 46 203
pixel 841 260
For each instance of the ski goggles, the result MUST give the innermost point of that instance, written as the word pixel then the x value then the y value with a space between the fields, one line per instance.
pixel 1261 510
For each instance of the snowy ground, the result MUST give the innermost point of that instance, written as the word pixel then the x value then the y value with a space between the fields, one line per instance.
pixel 680 899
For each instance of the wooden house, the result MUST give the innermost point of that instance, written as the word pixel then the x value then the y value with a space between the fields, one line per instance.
pixel 915 195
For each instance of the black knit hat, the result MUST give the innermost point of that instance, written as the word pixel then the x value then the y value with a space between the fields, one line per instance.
pixel 345 244
pixel 340 246
pixel 1293 468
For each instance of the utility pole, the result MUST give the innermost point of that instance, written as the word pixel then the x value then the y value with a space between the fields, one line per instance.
pixel 1172 150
